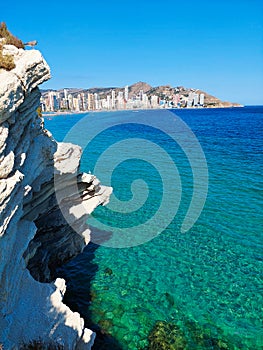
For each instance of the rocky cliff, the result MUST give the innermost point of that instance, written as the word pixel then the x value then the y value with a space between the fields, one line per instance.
pixel 35 237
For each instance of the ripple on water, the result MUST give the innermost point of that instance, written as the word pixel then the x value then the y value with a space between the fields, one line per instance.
pixel 204 287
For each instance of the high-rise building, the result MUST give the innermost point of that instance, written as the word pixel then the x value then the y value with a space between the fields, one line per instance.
pixel 65 94
pixel 190 99
pixel 154 101
pixel 104 104
pixel 145 101
pixel 108 102
pixel 120 100
pixel 76 106
pixel 84 102
pixel 196 99
pixel 52 101
pixel 70 102
pixel 113 98
pixel 96 101
pixel 176 100
pixel 90 102
pixel 126 93
pixel 120 95
pixel 64 104
pixel 43 104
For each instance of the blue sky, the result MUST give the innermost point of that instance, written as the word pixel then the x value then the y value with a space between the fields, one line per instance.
pixel 216 46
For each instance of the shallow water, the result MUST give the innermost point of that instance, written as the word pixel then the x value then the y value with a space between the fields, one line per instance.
pixel 208 278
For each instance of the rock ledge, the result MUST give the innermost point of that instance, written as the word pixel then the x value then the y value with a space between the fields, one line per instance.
pixel 35 238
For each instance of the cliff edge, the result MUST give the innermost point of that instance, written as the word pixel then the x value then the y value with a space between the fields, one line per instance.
pixel 35 238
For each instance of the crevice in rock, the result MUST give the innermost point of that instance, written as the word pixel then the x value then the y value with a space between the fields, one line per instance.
pixel 35 237
pixel 51 248
pixel 55 241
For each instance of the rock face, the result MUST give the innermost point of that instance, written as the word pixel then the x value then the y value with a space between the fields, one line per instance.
pixel 35 235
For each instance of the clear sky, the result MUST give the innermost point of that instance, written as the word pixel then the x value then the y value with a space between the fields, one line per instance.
pixel 216 46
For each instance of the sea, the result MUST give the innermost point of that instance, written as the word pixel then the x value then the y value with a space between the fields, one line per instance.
pixel 179 261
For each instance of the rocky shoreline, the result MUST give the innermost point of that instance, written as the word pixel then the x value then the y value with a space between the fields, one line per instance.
pixel 35 237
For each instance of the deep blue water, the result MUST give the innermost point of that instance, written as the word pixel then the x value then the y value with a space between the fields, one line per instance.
pixel 207 281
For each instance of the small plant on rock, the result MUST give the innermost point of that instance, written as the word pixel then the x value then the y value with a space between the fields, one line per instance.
pixel 7 38
pixel 10 39
pixel 7 63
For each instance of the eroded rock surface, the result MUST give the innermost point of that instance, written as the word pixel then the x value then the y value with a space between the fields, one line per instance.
pixel 38 224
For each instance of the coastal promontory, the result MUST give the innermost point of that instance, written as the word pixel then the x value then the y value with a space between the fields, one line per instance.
pixel 35 237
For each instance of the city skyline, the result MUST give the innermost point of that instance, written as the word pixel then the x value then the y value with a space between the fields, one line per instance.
pixel 138 96
pixel 214 46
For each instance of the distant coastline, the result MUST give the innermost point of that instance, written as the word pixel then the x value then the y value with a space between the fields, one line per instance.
pixel 57 113
pixel 137 96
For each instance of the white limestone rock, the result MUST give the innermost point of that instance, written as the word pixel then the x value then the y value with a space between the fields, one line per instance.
pixel 30 71
pixel 34 235
pixel 3 136
pixel 13 50
pixel 10 197
pixel 67 158
pixel 7 165
pixel 11 94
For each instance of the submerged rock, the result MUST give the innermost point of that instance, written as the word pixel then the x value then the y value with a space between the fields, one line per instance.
pixel 206 337
pixel 106 325
pixel 108 271
pixel 169 298
pixel 169 336
pixel 166 336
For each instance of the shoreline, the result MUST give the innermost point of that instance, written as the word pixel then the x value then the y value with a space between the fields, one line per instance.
pixel 52 114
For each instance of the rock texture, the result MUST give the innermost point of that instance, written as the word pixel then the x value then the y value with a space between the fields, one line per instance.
pixel 40 228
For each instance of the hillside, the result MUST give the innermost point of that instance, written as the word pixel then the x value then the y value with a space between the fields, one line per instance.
pixel 165 93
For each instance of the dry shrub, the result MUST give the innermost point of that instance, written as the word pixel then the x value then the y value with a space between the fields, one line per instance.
pixel 10 39
pixel 7 63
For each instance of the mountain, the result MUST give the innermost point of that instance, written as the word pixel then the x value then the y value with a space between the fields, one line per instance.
pixel 137 87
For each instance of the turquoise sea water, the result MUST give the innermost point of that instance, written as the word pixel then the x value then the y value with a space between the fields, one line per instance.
pixel 207 281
